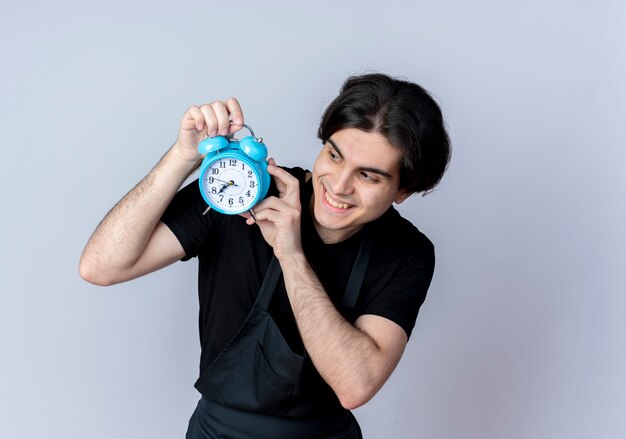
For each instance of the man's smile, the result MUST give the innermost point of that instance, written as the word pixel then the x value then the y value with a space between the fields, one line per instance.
pixel 335 203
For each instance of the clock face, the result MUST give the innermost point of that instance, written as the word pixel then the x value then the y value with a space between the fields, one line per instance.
pixel 230 184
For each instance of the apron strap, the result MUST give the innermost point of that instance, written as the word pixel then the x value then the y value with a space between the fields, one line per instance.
pixel 272 276
pixel 350 295
pixel 353 288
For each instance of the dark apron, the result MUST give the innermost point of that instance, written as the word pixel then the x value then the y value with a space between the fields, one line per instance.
pixel 253 388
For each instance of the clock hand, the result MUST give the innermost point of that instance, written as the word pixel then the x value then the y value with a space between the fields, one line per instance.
pixel 226 184
pixel 223 181
pixel 230 183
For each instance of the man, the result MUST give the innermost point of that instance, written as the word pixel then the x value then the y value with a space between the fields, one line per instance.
pixel 305 308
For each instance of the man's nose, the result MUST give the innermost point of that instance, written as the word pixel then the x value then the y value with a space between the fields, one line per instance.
pixel 343 183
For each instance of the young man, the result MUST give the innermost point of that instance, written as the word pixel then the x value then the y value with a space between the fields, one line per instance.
pixel 306 309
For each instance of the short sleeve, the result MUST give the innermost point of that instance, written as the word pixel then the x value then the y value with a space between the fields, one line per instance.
pixel 400 299
pixel 184 217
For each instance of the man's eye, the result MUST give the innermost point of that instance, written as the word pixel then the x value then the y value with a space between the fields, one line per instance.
pixel 333 156
pixel 367 177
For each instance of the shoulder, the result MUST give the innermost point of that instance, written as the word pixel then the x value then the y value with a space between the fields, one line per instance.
pixel 401 233
pixel 401 250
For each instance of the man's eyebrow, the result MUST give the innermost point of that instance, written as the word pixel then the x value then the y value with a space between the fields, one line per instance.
pixel 372 170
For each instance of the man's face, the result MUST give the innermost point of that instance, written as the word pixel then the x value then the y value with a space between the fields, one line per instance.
pixel 356 178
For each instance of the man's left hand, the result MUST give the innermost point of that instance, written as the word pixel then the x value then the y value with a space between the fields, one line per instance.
pixel 279 217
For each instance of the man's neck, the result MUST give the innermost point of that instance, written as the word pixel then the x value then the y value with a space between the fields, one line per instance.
pixel 326 235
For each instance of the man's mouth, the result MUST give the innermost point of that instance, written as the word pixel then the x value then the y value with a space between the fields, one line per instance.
pixel 334 203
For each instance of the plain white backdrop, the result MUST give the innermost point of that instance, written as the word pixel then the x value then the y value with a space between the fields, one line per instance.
pixel 522 335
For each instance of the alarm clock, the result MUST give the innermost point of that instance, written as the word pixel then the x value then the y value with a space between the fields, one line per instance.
pixel 233 175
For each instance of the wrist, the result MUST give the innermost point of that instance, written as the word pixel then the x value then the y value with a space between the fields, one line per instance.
pixel 184 159
pixel 293 259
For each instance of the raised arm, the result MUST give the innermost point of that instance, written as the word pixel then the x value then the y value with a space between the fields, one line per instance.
pixel 131 241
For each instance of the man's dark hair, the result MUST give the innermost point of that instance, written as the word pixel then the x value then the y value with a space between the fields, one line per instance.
pixel 402 112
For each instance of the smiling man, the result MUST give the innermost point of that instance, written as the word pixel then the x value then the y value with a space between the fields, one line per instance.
pixel 354 184
pixel 305 308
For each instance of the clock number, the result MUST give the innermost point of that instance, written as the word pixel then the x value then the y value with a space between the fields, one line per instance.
pixel 248 194
pixel 249 174
pixel 213 190
pixel 221 198
pixel 232 162
pixel 222 165
pixel 252 184
pixel 215 171
pixel 230 201
pixel 211 179
pixel 240 200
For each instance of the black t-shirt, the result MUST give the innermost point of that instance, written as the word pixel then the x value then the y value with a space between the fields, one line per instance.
pixel 233 258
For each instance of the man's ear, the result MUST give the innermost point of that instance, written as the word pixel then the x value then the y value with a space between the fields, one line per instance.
pixel 401 196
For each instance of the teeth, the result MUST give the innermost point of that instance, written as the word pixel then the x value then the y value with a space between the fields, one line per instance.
pixel 336 204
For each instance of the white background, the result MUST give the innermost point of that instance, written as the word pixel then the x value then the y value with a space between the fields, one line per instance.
pixel 523 333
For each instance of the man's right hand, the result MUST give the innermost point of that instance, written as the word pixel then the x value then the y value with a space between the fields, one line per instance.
pixel 131 240
pixel 212 119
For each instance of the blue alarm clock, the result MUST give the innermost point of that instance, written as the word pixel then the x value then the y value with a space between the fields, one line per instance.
pixel 233 174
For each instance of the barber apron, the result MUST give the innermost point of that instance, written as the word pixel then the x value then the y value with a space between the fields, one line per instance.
pixel 253 388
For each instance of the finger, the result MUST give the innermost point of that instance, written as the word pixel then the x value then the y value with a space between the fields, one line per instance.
pixel 223 121
pixel 248 217
pixel 287 184
pixel 193 119
pixel 236 114
pixel 274 203
pixel 210 119
pixel 271 215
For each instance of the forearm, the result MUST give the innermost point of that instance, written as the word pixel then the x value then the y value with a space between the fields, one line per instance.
pixel 123 234
pixel 347 358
